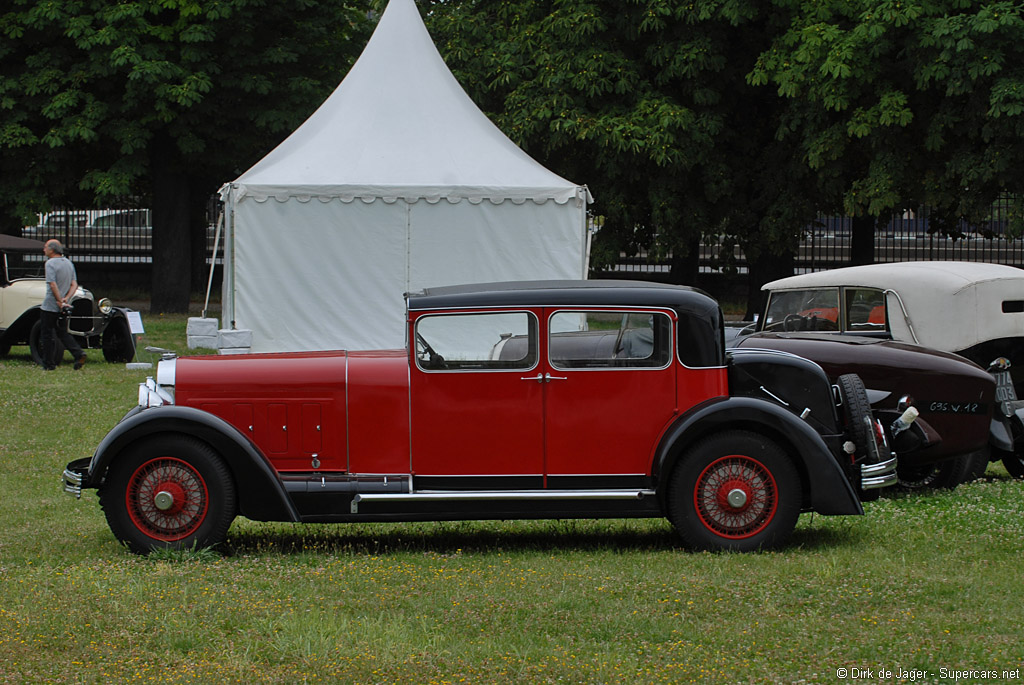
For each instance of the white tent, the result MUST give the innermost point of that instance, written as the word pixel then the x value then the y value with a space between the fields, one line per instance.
pixel 396 183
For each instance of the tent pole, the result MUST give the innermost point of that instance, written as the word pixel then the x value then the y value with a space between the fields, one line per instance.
pixel 213 260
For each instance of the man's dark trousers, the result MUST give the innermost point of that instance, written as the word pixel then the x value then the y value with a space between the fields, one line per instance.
pixel 52 328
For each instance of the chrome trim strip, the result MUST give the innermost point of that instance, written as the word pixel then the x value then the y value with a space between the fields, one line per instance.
pixel 906 317
pixel 500 495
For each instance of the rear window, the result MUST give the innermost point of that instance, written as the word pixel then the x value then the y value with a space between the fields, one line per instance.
pixel 596 340
pixel 865 309
pixel 1013 306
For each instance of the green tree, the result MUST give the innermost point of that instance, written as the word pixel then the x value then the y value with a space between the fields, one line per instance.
pixel 646 101
pixel 900 103
pixel 159 99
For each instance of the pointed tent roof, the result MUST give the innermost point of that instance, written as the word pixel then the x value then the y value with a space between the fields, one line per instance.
pixel 400 125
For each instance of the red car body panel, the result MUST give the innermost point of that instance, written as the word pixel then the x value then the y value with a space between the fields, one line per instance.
pixel 351 412
pixel 292 406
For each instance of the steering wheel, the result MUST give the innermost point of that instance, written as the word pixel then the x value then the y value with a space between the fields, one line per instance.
pixel 793 322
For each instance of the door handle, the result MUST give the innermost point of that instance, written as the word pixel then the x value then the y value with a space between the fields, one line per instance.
pixel 544 378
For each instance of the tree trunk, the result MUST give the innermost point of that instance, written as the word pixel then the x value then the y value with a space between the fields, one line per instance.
pixel 765 269
pixel 862 241
pixel 685 267
pixel 172 273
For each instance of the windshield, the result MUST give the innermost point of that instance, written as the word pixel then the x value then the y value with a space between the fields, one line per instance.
pixel 803 310
pixel 817 309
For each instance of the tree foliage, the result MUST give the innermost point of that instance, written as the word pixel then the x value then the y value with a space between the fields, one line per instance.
pixel 904 103
pixel 98 99
pixel 646 101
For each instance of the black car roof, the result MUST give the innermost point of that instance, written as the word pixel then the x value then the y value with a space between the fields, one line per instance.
pixel 560 293
pixel 11 243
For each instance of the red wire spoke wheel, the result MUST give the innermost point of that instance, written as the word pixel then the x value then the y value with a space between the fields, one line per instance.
pixel 736 497
pixel 169 490
pixel 735 490
pixel 167 499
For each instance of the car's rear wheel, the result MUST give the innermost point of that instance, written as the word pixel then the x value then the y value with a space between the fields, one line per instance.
pixel 35 348
pixel 171 491
pixel 735 490
pixel 118 344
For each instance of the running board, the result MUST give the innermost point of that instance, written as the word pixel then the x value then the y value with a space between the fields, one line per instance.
pixel 499 496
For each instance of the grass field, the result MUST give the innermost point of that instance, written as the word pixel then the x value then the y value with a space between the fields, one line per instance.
pixel 927 581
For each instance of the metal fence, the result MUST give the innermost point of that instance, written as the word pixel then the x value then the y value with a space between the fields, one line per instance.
pixel 826 245
pixel 117 236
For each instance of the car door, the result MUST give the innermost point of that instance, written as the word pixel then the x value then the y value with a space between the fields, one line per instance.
pixel 610 391
pixel 477 408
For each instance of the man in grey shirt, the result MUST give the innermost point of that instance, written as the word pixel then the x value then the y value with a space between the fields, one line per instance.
pixel 61 284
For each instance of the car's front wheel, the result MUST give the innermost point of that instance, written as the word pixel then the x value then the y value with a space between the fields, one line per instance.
pixel 944 474
pixel 118 344
pixel 734 490
pixel 171 491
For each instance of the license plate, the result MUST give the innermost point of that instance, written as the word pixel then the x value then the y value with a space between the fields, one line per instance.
pixel 1005 394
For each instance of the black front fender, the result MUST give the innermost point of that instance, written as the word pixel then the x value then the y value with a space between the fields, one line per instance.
pixel 830 490
pixel 261 495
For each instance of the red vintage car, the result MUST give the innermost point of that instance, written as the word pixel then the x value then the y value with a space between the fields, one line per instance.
pixel 524 400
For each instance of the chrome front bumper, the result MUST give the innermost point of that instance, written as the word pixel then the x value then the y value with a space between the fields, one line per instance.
pixel 75 477
pixel 880 475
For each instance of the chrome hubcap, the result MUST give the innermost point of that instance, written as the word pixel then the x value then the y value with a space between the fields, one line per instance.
pixel 737 498
pixel 163 500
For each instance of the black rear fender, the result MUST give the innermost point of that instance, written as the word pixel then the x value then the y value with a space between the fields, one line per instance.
pixel 261 495
pixel 17 333
pixel 827 490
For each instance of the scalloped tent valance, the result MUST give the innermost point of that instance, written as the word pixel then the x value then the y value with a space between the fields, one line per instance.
pixel 580 195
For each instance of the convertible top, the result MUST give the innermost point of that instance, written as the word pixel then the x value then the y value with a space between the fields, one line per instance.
pixel 947 278
pixel 949 306
pixel 12 243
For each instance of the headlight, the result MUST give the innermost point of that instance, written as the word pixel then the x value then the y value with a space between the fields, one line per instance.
pixel 106 306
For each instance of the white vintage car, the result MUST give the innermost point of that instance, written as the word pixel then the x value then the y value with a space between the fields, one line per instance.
pixel 971 309
pixel 22 288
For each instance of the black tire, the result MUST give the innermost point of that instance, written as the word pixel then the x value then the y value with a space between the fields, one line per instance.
pixel 945 474
pixel 979 464
pixel 1013 462
pixel 169 491
pixel 857 419
pixel 859 424
pixel 118 343
pixel 34 338
pixel 736 491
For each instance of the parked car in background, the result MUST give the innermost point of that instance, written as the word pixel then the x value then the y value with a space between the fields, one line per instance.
pixel 569 399
pixel 22 288
pixel 975 311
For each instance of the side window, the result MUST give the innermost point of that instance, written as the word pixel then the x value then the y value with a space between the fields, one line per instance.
pixel 803 310
pixel 454 342
pixel 865 310
pixel 602 340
